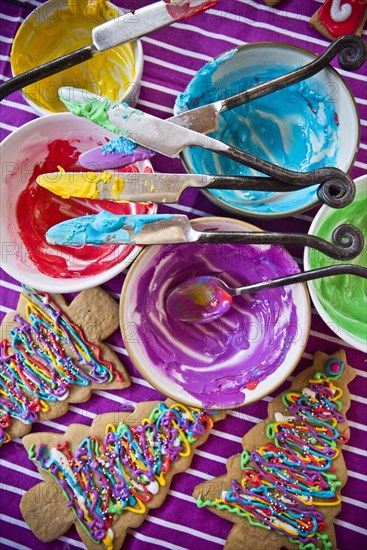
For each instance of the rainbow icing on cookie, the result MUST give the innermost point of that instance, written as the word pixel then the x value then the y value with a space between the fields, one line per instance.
pixel 44 357
pixel 286 480
pixel 123 472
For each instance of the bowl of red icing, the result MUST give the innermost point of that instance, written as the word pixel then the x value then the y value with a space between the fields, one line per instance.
pixel 28 210
pixel 234 360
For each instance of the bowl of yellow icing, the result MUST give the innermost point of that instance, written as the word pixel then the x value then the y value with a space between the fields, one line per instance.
pixel 58 27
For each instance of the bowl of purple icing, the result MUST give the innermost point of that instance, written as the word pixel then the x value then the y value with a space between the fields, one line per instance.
pixel 234 360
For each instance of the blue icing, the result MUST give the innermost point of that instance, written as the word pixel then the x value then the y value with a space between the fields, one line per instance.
pixel 294 128
pixel 101 228
pixel 202 84
pixel 120 145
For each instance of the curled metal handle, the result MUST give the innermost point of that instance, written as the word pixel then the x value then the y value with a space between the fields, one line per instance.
pixel 46 69
pixel 21 4
pixel 353 53
pixel 337 193
pixel 338 189
pixel 347 240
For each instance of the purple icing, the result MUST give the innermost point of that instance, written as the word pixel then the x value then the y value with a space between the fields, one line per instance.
pixel 214 362
pixel 98 159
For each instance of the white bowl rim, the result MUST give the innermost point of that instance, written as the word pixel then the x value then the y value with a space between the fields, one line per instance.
pixel 345 335
pixel 184 397
pixel 52 284
pixel 271 215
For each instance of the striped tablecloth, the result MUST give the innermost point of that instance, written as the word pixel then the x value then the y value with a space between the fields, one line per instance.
pixel 172 56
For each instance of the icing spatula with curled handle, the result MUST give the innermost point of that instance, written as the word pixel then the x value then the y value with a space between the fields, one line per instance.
pixel 352 54
pixel 105 227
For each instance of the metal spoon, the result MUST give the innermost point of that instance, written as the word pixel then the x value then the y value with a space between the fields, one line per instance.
pixel 204 299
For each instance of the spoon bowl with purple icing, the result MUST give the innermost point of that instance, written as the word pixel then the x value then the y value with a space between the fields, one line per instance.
pixel 235 359
pixel 205 299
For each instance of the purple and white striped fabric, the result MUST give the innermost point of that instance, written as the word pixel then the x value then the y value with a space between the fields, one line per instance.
pixel 172 56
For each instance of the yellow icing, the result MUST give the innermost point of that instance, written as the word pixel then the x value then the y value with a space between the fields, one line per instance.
pixel 161 479
pixel 74 184
pixel 110 428
pixel 108 542
pixel 44 406
pixel 142 508
pixel 48 34
pixel 118 187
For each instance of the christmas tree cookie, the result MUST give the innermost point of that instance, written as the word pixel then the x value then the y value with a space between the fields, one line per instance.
pixel 106 478
pixel 283 491
pixel 52 354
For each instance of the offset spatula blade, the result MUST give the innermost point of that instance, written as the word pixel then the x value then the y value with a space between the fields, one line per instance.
pixel 204 119
pixel 157 134
pixel 107 228
pixel 146 20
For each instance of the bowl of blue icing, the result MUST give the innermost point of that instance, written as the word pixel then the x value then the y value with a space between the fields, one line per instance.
pixel 303 127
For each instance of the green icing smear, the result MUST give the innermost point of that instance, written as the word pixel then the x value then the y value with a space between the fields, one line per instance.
pixel 344 297
pixel 89 106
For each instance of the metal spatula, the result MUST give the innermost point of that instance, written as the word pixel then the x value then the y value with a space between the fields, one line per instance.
pixel 123 29
pixel 204 119
pixel 110 228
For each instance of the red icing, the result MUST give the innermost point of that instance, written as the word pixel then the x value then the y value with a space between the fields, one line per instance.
pixel 252 385
pixel 35 405
pixel 5 421
pixel 335 367
pixel 38 209
pixel 345 27
pixel 182 11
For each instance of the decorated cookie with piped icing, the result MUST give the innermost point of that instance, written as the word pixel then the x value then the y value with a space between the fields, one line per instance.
pixel 283 490
pixel 338 17
pixel 105 479
pixel 52 354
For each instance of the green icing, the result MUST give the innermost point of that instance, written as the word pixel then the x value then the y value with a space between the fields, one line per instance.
pixel 233 510
pixel 344 297
pixel 94 110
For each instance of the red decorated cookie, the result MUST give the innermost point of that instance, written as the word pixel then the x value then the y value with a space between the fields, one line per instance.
pixel 337 17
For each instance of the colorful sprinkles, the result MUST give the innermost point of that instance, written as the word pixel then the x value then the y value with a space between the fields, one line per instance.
pixel 286 480
pixel 46 355
pixel 124 472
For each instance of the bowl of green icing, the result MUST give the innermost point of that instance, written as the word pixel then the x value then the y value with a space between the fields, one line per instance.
pixel 341 301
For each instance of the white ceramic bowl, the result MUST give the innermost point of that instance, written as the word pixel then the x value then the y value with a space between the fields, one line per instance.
pixel 26 211
pixel 307 125
pixel 341 301
pixel 119 80
pixel 233 361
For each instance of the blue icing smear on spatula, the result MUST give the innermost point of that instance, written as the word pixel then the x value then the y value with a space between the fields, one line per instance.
pixel 102 228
